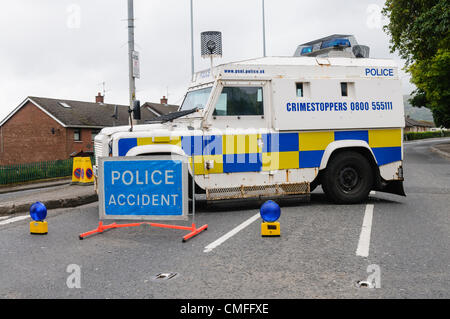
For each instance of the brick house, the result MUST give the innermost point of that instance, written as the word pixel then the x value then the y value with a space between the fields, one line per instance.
pixel 44 129
pixel 412 125
pixel 150 110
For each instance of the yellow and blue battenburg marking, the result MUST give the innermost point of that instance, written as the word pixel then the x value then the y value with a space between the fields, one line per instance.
pixel 290 150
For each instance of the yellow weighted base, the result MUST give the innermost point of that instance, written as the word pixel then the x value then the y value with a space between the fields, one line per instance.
pixel 38 228
pixel 270 229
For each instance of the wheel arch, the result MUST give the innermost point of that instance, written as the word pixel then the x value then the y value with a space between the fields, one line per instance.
pixel 152 149
pixel 347 145
pixel 358 146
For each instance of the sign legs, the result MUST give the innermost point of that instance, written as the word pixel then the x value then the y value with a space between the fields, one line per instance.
pixel 101 228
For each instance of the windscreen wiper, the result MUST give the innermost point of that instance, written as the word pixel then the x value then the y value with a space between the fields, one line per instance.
pixel 171 116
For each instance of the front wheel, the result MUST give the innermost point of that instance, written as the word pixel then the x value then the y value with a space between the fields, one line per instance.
pixel 348 178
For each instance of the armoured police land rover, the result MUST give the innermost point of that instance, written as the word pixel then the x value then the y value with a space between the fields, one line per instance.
pixel 277 126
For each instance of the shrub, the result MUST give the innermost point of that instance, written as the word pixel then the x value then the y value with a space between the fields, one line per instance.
pixel 422 135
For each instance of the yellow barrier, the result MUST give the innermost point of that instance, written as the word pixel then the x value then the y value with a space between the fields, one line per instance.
pixel 82 171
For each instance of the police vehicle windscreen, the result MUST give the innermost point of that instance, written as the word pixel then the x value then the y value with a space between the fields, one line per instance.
pixel 196 99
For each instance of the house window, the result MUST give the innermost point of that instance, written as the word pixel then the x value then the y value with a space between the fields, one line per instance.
pixel 94 133
pixel 299 89
pixel 240 101
pixel 344 89
pixel 77 134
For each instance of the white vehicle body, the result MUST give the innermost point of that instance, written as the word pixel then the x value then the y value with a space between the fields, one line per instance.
pixel 270 126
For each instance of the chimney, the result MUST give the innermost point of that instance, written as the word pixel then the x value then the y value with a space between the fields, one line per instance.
pixel 99 98
pixel 163 100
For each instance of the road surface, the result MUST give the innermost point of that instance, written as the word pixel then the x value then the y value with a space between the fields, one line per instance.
pixel 399 244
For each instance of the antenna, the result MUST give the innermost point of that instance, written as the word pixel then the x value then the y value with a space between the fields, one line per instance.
pixel 264 28
pixel 192 42
pixel 103 84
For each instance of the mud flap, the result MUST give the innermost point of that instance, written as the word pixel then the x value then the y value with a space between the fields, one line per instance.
pixel 393 187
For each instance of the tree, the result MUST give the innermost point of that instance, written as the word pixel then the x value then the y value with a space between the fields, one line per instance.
pixel 419 31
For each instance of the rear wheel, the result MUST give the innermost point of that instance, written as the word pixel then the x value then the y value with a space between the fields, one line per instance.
pixel 348 178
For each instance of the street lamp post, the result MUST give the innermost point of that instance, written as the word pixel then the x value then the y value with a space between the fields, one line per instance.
pixel 132 85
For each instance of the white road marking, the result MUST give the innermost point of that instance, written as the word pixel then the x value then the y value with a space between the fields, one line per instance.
pixel 372 192
pixel 14 219
pixel 364 237
pixel 3 217
pixel 231 233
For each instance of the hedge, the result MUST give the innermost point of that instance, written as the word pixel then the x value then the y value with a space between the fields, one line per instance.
pixel 421 135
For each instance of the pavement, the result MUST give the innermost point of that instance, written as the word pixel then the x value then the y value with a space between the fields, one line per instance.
pixel 53 194
pixel 34 185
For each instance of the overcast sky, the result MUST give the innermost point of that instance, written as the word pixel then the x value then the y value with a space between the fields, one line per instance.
pixel 67 48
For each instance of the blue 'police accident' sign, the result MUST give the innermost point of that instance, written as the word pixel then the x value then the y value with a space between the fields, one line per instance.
pixel 143 188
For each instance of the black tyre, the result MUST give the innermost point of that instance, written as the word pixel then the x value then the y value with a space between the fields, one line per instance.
pixel 348 178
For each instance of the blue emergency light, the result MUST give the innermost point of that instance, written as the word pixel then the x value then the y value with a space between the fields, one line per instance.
pixel 270 211
pixel 339 42
pixel 306 50
pixel 38 211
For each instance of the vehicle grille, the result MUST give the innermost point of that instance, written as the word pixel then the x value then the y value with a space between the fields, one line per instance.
pixel 98 151
pixel 256 191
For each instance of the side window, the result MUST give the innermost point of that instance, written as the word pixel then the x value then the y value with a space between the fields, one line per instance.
pixel 221 105
pixel 302 89
pixel 240 101
pixel 299 87
pixel 344 89
pixel 348 89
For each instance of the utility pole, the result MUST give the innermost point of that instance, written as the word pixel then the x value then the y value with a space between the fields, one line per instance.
pixel 264 28
pixel 192 41
pixel 132 85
